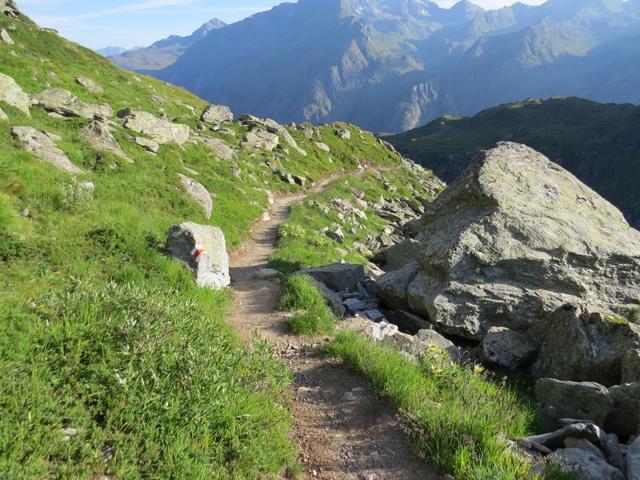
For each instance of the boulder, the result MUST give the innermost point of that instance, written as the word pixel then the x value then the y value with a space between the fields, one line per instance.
pixel 220 148
pixel 507 348
pixel 5 37
pixel 624 419
pixel 149 145
pixel 410 323
pixel 339 277
pixel 3 116
pixel 583 346
pixel 41 144
pixel 261 140
pixel 514 238
pixel 344 134
pixel 392 286
pixel 63 102
pixel 333 299
pixel 98 135
pixel 9 8
pixel 11 93
pixel 217 114
pixel 631 367
pixel 633 460
pixel 274 127
pixel 90 85
pixel 400 254
pixel 585 465
pixel 203 249
pixel 323 146
pixel 159 129
pixel 559 399
pixel 198 193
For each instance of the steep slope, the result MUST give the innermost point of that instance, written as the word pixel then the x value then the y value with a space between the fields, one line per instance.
pixel 596 142
pixel 164 52
pixel 113 362
pixel 393 65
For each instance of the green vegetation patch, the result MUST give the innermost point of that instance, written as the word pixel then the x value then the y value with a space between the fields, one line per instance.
pixel 311 316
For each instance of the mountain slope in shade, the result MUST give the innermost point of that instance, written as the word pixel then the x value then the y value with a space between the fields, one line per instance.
pixel 163 52
pixel 599 143
pixel 391 65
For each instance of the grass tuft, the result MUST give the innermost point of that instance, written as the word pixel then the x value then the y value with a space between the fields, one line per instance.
pixel 312 315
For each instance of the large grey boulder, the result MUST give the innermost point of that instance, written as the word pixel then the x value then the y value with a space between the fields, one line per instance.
pixel 333 299
pixel 559 399
pixel 11 93
pixel 219 147
pixel 273 127
pixel 584 346
pixel 159 129
pixel 98 135
pixel 339 277
pixel 514 238
pixel 90 85
pixel 507 348
pixel 203 249
pixel 392 286
pixel 9 8
pixel 42 145
pixel 624 419
pixel 631 367
pixel 198 193
pixel 63 102
pixel 633 460
pixel 400 254
pixel 585 465
pixel 217 114
pixel 261 140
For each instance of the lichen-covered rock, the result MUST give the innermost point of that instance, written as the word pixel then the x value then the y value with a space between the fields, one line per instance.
pixel 514 238
pixel 98 135
pixel 42 145
pixel 624 419
pixel 198 193
pixel 159 129
pixel 216 114
pixel 507 348
pixel 261 140
pixel 203 249
pixel 63 102
pixel 220 148
pixel 11 93
pixel 583 346
pixel 585 465
pixel 580 400
pixel 90 85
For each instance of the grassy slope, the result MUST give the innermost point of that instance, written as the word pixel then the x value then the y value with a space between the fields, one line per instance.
pixel 597 142
pixel 100 333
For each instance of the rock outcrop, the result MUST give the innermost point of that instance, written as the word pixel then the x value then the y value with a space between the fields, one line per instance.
pixel 63 102
pixel 198 193
pixel 42 145
pixel 513 239
pixel 159 129
pixel 98 135
pixel 273 127
pixel 9 8
pixel 219 147
pixel 11 93
pixel 90 85
pixel 217 114
pixel 261 140
pixel 585 465
pixel 203 249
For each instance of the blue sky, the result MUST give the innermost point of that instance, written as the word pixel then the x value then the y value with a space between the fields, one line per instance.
pixel 101 23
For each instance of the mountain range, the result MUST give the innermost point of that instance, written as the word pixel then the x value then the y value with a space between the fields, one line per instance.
pixel 599 143
pixel 392 65
pixel 164 52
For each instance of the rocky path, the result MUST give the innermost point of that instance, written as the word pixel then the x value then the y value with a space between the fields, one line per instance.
pixel 343 430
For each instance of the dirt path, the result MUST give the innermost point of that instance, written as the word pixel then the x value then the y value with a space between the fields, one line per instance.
pixel 343 430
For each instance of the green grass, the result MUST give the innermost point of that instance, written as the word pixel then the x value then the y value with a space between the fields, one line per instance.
pixel 455 415
pixel 312 316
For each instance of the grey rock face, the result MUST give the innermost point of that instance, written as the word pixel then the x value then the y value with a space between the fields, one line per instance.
pixel 631 367
pixel 159 129
pixel 585 465
pixel 333 299
pixel 507 348
pixel 392 286
pixel 198 193
pixel 5 37
pixel 338 277
pixel 633 460
pixel 9 8
pixel 261 140
pixel 203 249
pixel 562 399
pixel 11 93
pixel 89 84
pixel 63 102
pixel 98 135
pixel 401 254
pixel 583 346
pixel 516 237
pixel 217 114
pixel 624 419
pixel 409 322
pixel 42 145
pixel 273 127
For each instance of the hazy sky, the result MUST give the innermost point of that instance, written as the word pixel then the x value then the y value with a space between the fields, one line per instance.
pixel 101 23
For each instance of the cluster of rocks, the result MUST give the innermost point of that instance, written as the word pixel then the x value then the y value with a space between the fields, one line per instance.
pixel 9 8
pixel 265 134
